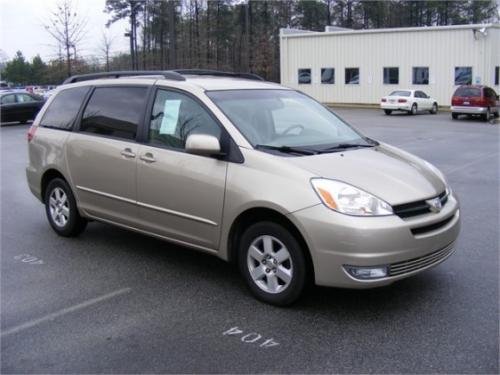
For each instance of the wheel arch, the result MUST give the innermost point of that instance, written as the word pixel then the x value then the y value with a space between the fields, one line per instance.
pixel 256 214
pixel 48 176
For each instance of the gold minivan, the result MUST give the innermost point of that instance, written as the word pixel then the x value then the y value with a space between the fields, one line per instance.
pixel 247 170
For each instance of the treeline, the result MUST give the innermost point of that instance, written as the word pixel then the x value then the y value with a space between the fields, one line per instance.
pixel 244 35
pixel 235 35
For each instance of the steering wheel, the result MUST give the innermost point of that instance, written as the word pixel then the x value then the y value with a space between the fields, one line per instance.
pixel 290 128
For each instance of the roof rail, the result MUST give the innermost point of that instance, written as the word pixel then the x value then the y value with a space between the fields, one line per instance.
pixel 217 73
pixel 167 74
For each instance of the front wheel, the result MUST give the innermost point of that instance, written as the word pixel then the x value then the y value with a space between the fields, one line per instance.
pixel 434 109
pixel 272 263
pixel 61 210
pixel 387 111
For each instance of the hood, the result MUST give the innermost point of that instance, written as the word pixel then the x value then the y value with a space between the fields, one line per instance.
pixel 388 173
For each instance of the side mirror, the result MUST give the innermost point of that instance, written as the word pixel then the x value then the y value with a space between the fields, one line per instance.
pixel 203 144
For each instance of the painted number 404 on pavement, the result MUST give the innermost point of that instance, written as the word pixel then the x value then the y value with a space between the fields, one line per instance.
pixel 251 338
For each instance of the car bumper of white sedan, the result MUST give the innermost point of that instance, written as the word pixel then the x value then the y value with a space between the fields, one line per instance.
pixel 396 106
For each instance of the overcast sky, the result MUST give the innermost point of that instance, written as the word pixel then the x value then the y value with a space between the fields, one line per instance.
pixel 21 28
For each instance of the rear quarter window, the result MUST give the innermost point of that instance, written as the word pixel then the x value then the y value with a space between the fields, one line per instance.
pixel 62 111
pixel 467 91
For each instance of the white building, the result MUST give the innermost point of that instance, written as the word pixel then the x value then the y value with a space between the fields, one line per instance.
pixel 360 66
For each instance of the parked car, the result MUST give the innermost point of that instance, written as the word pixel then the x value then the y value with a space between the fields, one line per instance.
pixel 410 101
pixel 475 100
pixel 19 106
pixel 247 170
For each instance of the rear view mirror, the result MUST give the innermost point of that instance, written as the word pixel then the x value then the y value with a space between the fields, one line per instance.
pixel 203 144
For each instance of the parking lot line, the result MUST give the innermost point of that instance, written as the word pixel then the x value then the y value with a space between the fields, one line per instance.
pixel 472 162
pixel 62 312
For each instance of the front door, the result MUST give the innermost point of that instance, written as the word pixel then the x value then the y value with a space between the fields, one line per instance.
pixel 180 195
pixel 102 154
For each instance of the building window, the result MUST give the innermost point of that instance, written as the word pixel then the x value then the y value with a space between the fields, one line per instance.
pixel 420 75
pixel 463 75
pixel 328 75
pixel 304 76
pixel 497 74
pixel 391 76
pixel 351 76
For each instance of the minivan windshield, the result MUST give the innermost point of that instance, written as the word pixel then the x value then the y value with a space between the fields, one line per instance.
pixel 286 121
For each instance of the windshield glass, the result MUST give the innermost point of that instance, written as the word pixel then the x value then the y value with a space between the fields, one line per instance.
pixel 284 118
pixel 400 93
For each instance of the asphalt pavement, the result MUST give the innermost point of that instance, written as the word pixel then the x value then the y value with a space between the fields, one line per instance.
pixel 112 301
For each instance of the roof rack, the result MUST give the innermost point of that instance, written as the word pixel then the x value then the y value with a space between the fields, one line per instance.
pixel 168 74
pixel 175 75
pixel 217 73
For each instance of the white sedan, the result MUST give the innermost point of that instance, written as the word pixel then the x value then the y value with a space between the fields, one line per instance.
pixel 410 101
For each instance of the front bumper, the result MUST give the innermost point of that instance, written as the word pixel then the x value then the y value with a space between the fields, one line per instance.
pixel 336 240
pixel 469 110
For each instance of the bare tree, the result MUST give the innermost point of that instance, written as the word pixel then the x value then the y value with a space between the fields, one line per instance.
pixel 105 46
pixel 67 28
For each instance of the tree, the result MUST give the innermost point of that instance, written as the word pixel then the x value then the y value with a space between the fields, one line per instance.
pixel 38 71
pixel 105 47
pixel 17 70
pixel 67 28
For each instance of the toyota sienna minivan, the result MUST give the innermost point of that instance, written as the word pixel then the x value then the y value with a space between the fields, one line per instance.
pixel 247 170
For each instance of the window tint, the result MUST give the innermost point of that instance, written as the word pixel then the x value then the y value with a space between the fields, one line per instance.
pixel 420 94
pixel 420 75
pixel 8 99
pixel 62 111
pixel 490 93
pixel 328 75
pixel 391 76
pixel 114 111
pixel 497 75
pixel 25 98
pixel 175 116
pixel 304 76
pixel 352 76
pixel 463 75
pixel 468 91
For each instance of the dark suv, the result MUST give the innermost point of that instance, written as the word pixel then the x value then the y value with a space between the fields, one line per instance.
pixel 475 100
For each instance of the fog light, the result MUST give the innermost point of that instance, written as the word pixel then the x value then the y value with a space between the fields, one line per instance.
pixel 367 273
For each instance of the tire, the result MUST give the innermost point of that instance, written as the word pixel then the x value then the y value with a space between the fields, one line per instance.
pixel 487 115
pixel 387 111
pixel 413 110
pixel 272 263
pixel 434 109
pixel 496 114
pixel 454 116
pixel 61 210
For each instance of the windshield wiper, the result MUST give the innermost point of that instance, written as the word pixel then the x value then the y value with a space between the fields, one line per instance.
pixel 288 149
pixel 344 146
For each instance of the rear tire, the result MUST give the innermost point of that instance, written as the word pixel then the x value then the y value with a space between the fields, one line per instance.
pixel 61 209
pixel 414 109
pixel 272 263
pixel 454 116
pixel 487 115
pixel 434 109
pixel 387 111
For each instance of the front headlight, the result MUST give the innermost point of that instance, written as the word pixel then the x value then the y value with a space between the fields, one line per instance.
pixel 348 199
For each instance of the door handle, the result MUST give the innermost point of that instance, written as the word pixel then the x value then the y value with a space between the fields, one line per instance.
pixel 127 152
pixel 148 157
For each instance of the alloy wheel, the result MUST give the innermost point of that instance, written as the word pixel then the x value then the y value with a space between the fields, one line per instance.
pixel 59 207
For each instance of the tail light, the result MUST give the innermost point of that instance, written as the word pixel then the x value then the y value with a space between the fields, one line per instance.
pixel 455 100
pixel 31 132
pixel 401 100
pixel 384 100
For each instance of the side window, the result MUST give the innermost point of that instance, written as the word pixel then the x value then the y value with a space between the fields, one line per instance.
pixel 63 109
pixel 25 98
pixel 114 111
pixel 420 75
pixel 8 99
pixel 304 76
pixel 175 116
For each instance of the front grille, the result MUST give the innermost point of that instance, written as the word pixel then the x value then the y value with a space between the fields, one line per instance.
pixel 414 264
pixel 431 227
pixel 417 208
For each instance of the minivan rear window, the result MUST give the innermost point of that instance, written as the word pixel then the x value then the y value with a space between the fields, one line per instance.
pixel 468 91
pixel 63 109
